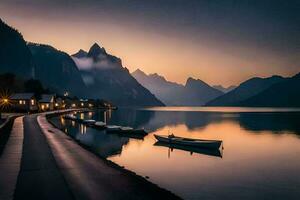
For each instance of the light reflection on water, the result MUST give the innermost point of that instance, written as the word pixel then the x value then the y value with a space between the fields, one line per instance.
pixel 260 159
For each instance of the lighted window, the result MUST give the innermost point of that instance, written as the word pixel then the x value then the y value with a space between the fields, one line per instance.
pixel 32 102
pixel 22 102
pixel 47 105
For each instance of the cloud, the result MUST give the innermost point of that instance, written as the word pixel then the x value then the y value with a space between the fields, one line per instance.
pixel 84 63
pixel 88 64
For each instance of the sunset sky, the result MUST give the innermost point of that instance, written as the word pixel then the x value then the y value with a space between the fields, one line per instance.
pixel 220 42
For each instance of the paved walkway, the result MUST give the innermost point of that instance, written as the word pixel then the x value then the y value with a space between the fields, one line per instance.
pixel 10 161
pixel 39 176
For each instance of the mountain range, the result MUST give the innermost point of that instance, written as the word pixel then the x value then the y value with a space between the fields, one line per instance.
pixel 98 74
pixel 58 71
pixel 285 93
pixel 274 91
pixel 105 77
pixel 194 93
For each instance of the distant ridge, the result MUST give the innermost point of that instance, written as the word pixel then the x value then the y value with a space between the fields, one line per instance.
pixel 224 89
pixel 282 94
pixel 80 54
pixel 194 93
pixel 106 78
pixel 245 90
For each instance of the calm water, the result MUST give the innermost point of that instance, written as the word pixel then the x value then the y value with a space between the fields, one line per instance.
pixel 260 159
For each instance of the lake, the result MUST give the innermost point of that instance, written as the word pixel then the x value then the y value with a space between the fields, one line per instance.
pixel 260 159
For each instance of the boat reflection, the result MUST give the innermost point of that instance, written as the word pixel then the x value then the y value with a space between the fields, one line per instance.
pixel 208 152
pixel 82 128
pixel 129 135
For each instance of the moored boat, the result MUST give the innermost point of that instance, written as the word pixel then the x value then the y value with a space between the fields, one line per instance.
pixel 125 130
pixel 112 128
pixel 100 125
pixel 191 149
pixel 130 130
pixel 89 121
pixel 171 139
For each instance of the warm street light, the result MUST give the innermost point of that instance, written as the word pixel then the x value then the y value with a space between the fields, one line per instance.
pixel 4 103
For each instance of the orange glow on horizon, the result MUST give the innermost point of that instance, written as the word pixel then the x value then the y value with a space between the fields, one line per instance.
pixel 175 58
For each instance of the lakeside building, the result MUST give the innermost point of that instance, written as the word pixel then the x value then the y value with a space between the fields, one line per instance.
pixel 28 102
pixel 47 102
pixel 60 103
pixel 24 102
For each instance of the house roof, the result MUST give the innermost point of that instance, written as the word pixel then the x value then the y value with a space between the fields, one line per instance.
pixel 22 96
pixel 46 98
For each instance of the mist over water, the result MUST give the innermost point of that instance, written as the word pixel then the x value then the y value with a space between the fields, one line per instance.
pixel 260 159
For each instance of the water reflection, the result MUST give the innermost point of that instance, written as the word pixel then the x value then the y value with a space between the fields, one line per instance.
pixel 101 143
pixel 82 128
pixel 154 120
pixel 260 159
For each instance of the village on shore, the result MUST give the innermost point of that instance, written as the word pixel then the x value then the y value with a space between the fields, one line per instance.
pixel 32 103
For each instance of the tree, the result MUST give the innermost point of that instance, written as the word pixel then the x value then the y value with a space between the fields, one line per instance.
pixel 36 87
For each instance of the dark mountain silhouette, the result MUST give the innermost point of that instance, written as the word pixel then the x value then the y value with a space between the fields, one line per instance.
pixel 244 91
pixel 160 87
pixel 80 54
pixel 97 53
pixel 15 56
pixel 224 89
pixel 193 93
pixel 282 94
pixel 196 89
pixel 57 70
pixel 106 78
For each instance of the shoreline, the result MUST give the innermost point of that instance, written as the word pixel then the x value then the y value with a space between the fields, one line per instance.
pixel 134 177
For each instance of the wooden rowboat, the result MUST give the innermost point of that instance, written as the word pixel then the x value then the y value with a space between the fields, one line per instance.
pixel 171 139
pixel 191 149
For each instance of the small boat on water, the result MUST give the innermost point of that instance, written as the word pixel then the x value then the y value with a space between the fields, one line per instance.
pixel 113 128
pixel 126 131
pixel 100 125
pixel 171 139
pixel 131 130
pixel 191 149
pixel 89 121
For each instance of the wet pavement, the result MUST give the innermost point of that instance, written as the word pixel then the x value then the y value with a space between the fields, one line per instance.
pixel 10 160
pixel 48 164
pixel 39 176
